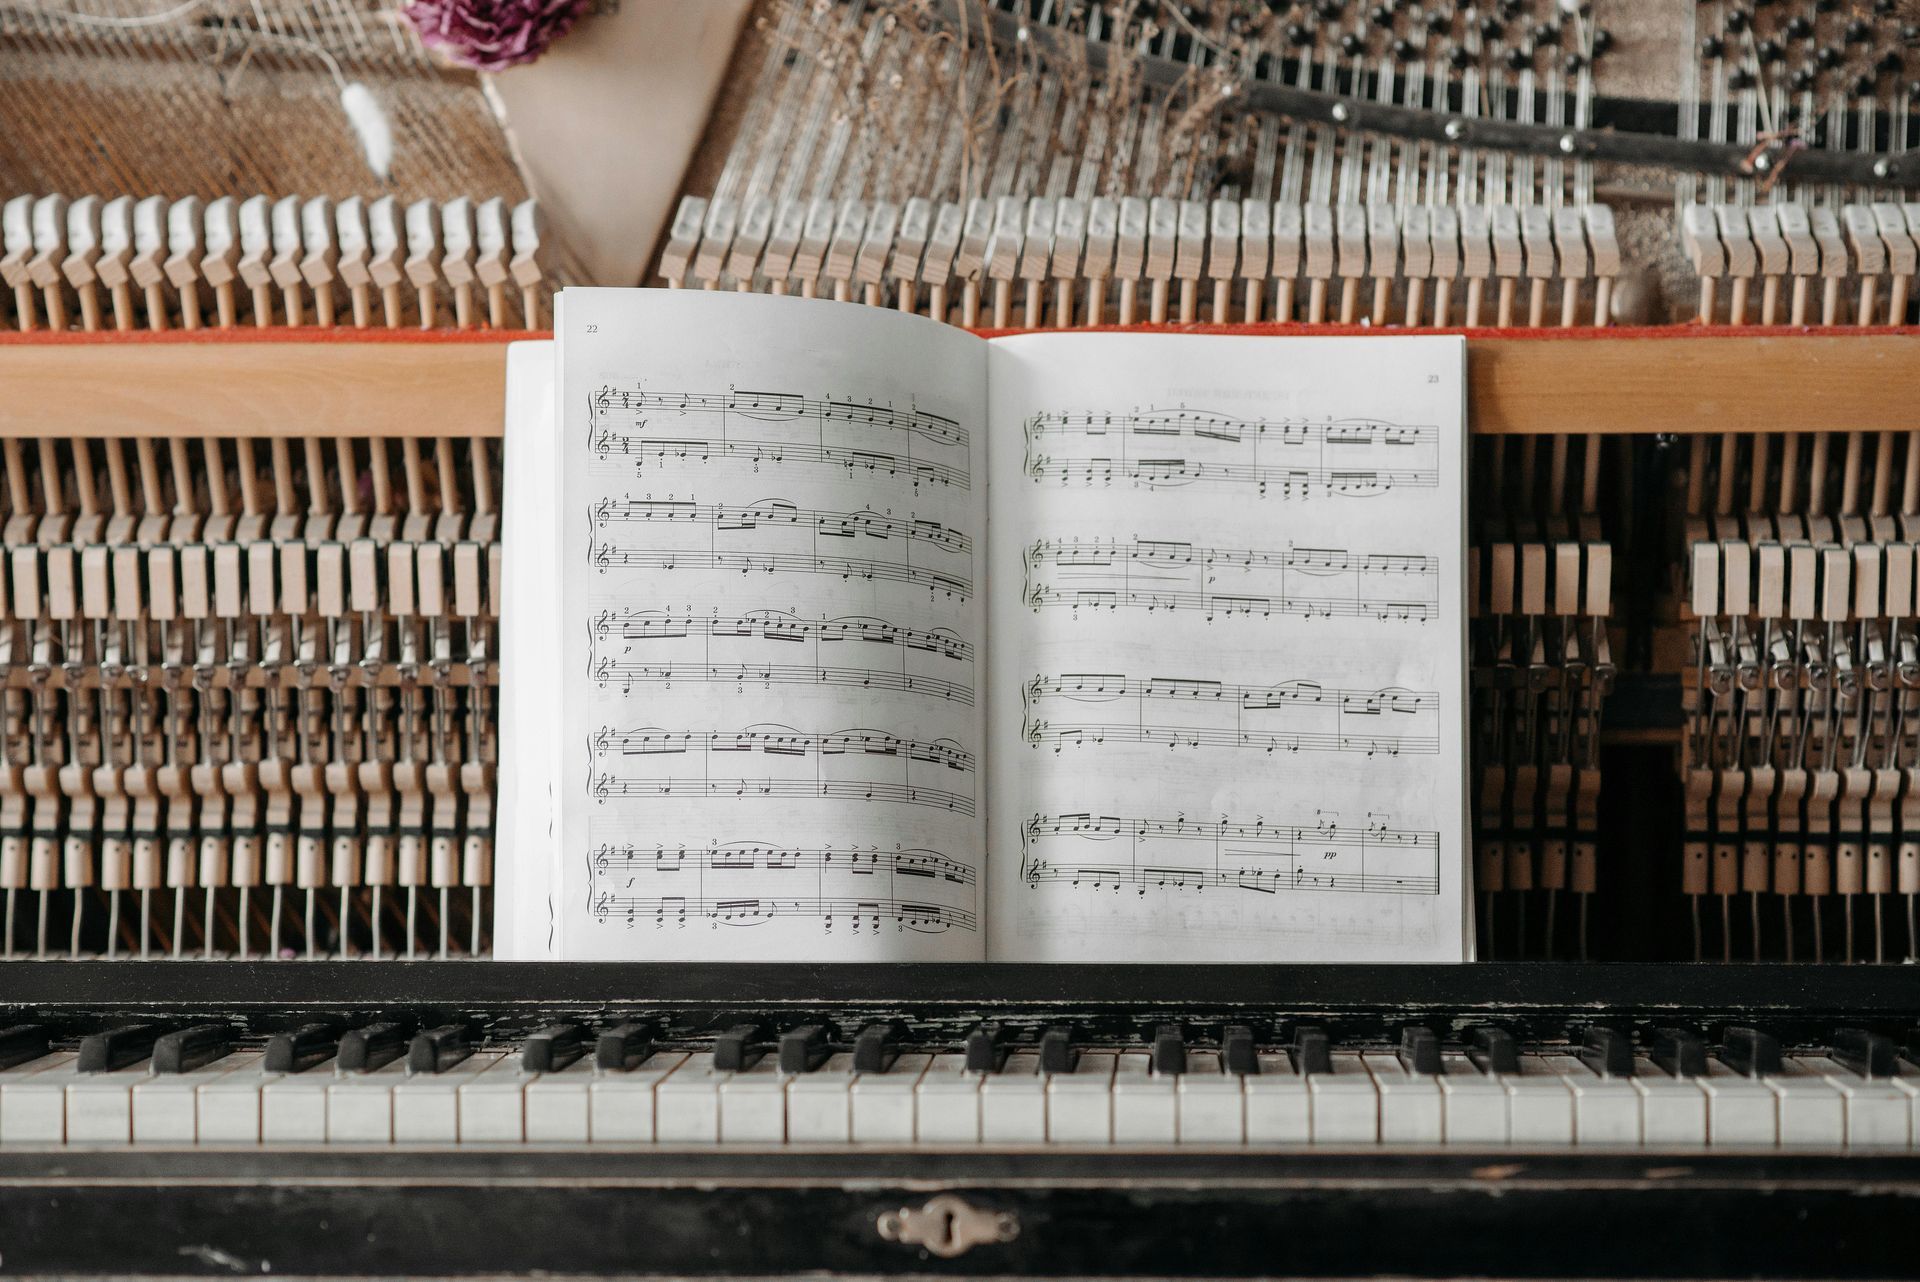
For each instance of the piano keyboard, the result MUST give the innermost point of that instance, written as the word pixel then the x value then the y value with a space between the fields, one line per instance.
pixel 375 1084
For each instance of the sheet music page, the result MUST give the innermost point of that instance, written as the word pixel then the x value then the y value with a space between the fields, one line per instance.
pixel 1229 659
pixel 774 517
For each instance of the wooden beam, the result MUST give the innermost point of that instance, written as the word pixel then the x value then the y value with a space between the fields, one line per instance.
pixel 251 389
pixel 1517 386
pixel 1807 382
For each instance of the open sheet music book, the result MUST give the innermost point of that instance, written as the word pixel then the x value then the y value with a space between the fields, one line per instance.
pixel 837 634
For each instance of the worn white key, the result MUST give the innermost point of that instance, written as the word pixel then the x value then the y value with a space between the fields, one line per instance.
pixel 231 1108
pixel 1346 1107
pixel 1539 1105
pixel 1879 1114
pixel 687 1103
pixel 1906 1080
pixel 1412 1109
pixel 1473 1103
pixel 100 1105
pixel 622 1106
pixel 1212 1105
pixel 1812 1113
pixel 1673 1110
pixel 820 1103
pixel 493 1106
pixel 558 1105
pixel 1279 1106
pixel 166 1107
pixel 360 1105
pixel 1080 1103
pixel 1146 1105
pixel 1606 1110
pixel 947 1103
pixel 1742 1112
pixel 883 1102
pixel 753 1105
pixel 1013 1102
pixel 33 1105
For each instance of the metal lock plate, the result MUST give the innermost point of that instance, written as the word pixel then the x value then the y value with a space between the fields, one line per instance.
pixel 947 1226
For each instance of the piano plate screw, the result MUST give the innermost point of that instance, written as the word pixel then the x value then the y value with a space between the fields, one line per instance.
pixel 947 1226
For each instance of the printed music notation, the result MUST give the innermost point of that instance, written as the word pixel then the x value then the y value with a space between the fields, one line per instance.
pixel 1090 709
pixel 1181 855
pixel 1290 458
pixel 773 536
pixel 859 764
pixel 632 647
pixel 779 429
pixel 745 883
pixel 1160 575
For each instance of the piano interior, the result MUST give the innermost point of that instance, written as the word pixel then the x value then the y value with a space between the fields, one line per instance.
pixel 251 595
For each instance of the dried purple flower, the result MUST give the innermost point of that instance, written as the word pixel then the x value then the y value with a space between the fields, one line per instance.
pixel 492 35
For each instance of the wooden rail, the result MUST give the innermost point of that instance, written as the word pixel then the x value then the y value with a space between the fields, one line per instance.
pixel 1666 382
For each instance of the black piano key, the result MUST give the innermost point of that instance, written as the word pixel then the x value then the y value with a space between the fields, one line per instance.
pixel 877 1047
pixel 117 1047
pixel 623 1047
pixel 302 1048
pixel 362 1050
pixel 1493 1050
pixel 1680 1052
pixel 804 1049
pixel 1057 1054
pixel 738 1048
pixel 1238 1054
pixel 1420 1051
pixel 24 1043
pixel 1169 1050
pixel 1607 1051
pixel 1865 1053
pixel 986 1048
pixel 1312 1050
pixel 190 1048
pixel 553 1048
pixel 435 1050
pixel 1750 1052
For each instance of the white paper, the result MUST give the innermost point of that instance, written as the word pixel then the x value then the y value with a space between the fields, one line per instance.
pixel 1229 649
pixel 773 517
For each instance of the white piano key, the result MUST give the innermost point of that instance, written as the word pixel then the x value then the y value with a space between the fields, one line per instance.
pixel 1742 1112
pixel 292 1106
pixel 1812 1113
pixel 947 1103
pixel 33 1101
pixel 1080 1103
pixel 1473 1103
pixel 1539 1105
pixel 1906 1080
pixel 1673 1110
pixel 230 1108
pixel 360 1105
pixel 426 1106
pixel 883 1102
pixel 753 1105
pixel 1146 1105
pixel 1346 1107
pixel 166 1107
pixel 1879 1114
pixel 492 1105
pixel 820 1103
pixel 1279 1107
pixel 100 1105
pixel 622 1105
pixel 1212 1106
pixel 1013 1102
pixel 1412 1109
pixel 557 1105
pixel 687 1103
pixel 1606 1110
